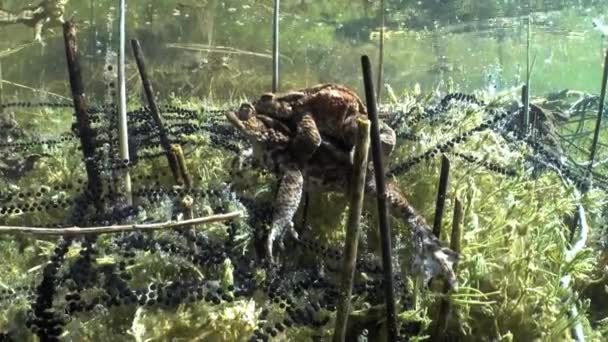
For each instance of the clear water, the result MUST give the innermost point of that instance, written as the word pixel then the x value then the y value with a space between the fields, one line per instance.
pixel 323 43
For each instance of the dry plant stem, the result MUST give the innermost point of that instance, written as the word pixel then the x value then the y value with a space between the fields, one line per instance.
pixel 164 140
pixel 22 86
pixel 526 89
pixel 73 231
pixel 187 201
pixel 526 111
pixel 220 49
pixel 356 194
pixel 598 123
pixel 178 152
pixel 381 51
pixel 385 234
pixel 1 89
pixel 122 102
pixel 441 192
pixel 445 307
pixel 275 47
pixel 80 105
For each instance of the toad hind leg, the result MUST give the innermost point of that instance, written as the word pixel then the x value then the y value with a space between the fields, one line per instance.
pixel 432 259
pixel 287 202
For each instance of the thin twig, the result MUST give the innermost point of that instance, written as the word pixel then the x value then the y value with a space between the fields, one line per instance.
pixel 275 47
pixel 381 52
pixel 225 50
pixel 357 190
pixel 34 89
pixel 71 231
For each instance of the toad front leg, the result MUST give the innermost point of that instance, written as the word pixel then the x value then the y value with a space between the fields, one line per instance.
pixel 287 202
pixel 307 138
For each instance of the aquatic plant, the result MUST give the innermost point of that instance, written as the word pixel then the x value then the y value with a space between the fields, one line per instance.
pixel 201 285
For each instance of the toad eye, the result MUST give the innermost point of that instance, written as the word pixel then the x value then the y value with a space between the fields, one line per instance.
pixel 246 111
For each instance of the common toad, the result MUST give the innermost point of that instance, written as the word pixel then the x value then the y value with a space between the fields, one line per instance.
pixel 324 172
pixel 322 112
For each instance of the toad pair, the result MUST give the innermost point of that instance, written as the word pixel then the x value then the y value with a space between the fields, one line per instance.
pixel 307 137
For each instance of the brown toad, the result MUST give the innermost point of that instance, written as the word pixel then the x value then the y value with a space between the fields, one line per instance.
pixel 321 112
pixel 324 172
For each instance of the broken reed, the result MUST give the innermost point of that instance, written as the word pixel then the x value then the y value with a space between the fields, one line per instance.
pixel 356 194
pixel 154 111
pixel 86 133
pixel 385 236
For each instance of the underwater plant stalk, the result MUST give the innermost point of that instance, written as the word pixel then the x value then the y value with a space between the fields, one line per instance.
pixel 441 192
pixel 525 117
pixel 178 152
pixel 123 138
pixel 381 51
pixel 596 134
pixel 80 105
pixel 356 194
pixel 526 89
pixel 275 47
pixel 1 89
pixel 164 140
pixel 72 231
pixel 385 236
pixel 445 307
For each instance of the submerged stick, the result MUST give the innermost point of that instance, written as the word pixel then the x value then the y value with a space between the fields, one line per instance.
pixel 117 228
pixel 526 89
pixel 275 47
pixel 441 192
pixel 1 90
pixel 385 236
pixel 357 190
pixel 123 138
pixel 177 151
pixel 445 307
pixel 23 86
pixel 381 51
pixel 525 114
pixel 164 140
pixel 596 134
pixel 86 133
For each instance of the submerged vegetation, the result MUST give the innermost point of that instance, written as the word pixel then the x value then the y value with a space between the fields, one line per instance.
pixel 526 199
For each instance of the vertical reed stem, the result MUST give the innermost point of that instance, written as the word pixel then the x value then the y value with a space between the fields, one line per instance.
pixel 275 47
pixel 176 149
pixel 1 89
pixel 441 192
pixel 164 140
pixel 598 123
pixel 123 138
pixel 381 51
pixel 445 306
pixel 87 135
pixel 356 194
pixel 385 235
